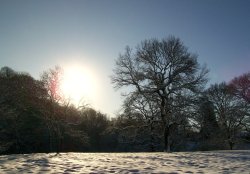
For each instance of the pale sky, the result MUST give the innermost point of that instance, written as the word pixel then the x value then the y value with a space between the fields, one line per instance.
pixel 37 35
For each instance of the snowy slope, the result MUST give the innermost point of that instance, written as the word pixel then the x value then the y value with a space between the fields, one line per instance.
pixel 188 162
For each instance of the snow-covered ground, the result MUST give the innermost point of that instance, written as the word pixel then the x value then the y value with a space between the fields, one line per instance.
pixel 189 162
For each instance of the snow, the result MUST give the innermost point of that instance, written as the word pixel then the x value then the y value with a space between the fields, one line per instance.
pixel 179 162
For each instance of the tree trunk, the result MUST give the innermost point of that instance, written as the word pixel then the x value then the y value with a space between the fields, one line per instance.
pixel 231 144
pixel 49 131
pixel 50 142
pixel 152 146
pixel 58 138
pixel 167 139
pixel 169 130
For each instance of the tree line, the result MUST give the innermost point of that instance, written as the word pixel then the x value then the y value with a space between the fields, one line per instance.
pixel 168 108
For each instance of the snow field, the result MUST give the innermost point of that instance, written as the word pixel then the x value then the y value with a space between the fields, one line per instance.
pixel 175 163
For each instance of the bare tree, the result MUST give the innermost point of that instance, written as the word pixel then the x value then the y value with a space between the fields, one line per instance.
pixel 163 68
pixel 51 80
pixel 240 86
pixel 230 111
pixel 145 111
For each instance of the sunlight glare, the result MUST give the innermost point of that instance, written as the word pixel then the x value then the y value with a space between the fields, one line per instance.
pixel 78 84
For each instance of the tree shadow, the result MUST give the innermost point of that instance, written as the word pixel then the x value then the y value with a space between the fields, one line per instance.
pixel 24 163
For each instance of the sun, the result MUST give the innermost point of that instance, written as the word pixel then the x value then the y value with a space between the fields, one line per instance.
pixel 78 84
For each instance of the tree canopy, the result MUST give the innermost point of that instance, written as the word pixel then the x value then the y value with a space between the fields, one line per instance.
pixel 163 69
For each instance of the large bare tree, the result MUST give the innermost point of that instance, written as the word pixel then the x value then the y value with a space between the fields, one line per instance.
pixel 162 68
